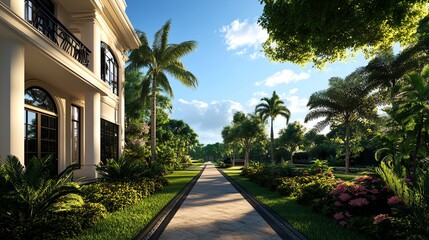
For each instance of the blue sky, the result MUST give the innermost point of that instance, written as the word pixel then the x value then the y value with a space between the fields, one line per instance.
pixel 232 71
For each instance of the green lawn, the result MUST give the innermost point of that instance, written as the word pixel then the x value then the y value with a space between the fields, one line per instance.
pixel 127 223
pixel 197 163
pixel 347 176
pixel 312 225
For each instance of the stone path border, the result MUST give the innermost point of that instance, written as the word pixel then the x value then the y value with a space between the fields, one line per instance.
pixel 280 226
pixel 157 225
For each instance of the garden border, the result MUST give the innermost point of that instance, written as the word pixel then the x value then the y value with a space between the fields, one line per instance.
pixel 156 226
pixel 280 226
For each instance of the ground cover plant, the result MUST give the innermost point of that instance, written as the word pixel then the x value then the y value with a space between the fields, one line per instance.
pixel 126 223
pixel 383 206
pixel 38 205
pixel 309 223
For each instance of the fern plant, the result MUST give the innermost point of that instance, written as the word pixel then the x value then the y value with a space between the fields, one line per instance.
pixel 415 195
pixel 31 193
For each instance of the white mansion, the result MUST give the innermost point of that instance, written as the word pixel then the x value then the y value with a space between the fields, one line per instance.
pixel 61 80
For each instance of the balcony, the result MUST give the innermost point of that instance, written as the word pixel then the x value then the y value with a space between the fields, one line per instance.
pixel 42 18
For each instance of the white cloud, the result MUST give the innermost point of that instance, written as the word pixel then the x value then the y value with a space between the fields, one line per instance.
pixel 283 77
pixel 293 91
pixel 256 55
pixel 296 104
pixel 202 106
pixel 240 36
pixel 242 52
pixel 207 119
pixel 252 102
pixel 260 94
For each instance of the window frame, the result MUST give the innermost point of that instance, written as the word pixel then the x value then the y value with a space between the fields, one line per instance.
pixel 109 68
pixel 78 121
pixel 43 130
pixel 109 140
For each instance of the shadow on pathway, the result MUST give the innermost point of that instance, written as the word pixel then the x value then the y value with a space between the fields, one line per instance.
pixel 215 210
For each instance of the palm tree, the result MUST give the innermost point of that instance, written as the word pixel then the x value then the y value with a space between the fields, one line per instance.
pixel 161 59
pixel 345 101
pixel 245 131
pixel 271 108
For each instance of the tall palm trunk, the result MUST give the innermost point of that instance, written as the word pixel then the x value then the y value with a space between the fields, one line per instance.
pixel 347 147
pixel 246 155
pixel 272 140
pixel 153 120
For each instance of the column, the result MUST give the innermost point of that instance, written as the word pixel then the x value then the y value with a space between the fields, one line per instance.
pixel 12 87
pixel 91 141
pixel 121 89
pixel 91 38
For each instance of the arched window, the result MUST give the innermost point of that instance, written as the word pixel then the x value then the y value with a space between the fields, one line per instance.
pixel 41 126
pixel 39 98
pixel 109 68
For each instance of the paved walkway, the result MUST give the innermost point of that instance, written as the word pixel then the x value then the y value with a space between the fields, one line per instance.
pixel 215 210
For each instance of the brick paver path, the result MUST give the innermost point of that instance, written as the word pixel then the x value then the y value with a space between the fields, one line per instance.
pixel 215 210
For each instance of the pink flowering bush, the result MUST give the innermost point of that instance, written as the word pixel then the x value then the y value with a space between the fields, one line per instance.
pixel 366 196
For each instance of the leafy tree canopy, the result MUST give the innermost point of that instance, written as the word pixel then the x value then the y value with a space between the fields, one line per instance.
pixel 302 31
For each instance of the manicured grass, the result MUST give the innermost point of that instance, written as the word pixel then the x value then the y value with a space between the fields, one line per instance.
pixel 347 177
pixel 312 225
pixel 197 163
pixel 127 223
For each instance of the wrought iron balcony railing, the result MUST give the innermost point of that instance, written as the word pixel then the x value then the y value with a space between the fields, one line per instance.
pixel 43 20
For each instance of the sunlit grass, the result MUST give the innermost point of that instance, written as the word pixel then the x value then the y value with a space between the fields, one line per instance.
pixel 312 225
pixel 127 223
pixel 347 176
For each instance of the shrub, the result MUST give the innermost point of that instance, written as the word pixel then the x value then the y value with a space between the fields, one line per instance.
pixel 31 192
pixel 114 196
pixel 222 164
pixel 182 163
pixel 366 196
pixel 314 191
pixel 267 174
pixel 319 167
pixel 301 157
pixel 119 195
pixel 287 186
pixel 307 189
pixel 64 225
pixel 157 169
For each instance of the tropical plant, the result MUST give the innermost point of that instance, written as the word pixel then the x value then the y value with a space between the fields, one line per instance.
pixel 162 59
pixel 232 143
pixel 415 195
pixel 124 169
pixel 319 166
pixel 345 101
pixel 292 138
pixel 271 108
pixel 246 129
pixel 33 193
pixel 405 136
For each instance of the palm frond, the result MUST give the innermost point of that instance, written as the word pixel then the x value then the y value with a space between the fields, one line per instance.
pixel 142 56
pixel 181 74
pixel 161 37
pixel 164 84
